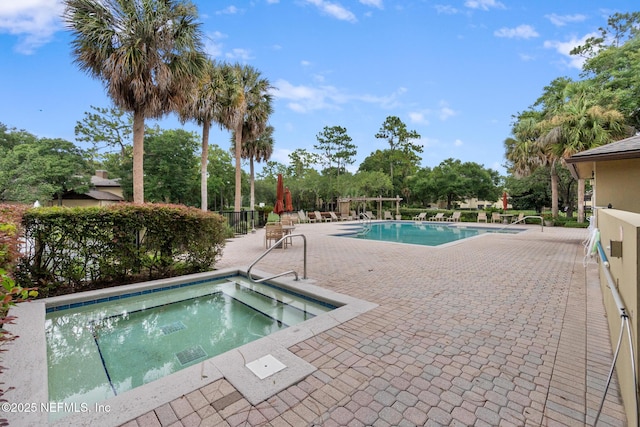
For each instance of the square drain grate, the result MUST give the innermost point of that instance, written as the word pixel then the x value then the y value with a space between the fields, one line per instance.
pixel 190 354
pixel 172 327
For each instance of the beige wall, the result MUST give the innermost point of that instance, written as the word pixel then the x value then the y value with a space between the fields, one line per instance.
pixel 618 183
pixel 73 203
pixel 617 225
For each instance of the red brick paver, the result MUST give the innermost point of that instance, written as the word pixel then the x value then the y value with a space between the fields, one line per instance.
pixel 496 330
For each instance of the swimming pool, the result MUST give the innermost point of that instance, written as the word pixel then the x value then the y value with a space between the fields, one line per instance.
pixel 417 233
pixel 116 345
pixel 257 369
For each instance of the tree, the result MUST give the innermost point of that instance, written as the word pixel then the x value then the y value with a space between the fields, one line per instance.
pixel 220 176
pixel 579 125
pixel 248 102
pixel 399 138
pixel 42 169
pixel 105 127
pixel 205 106
pixel 257 149
pixel 148 54
pixel 335 146
pixel 406 165
pixel 300 161
pixel 171 167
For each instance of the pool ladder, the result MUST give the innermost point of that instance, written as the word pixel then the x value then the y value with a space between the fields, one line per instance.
pixel 275 245
pixel 523 220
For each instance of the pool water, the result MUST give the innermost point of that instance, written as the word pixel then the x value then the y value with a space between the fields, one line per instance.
pixel 428 234
pixel 104 349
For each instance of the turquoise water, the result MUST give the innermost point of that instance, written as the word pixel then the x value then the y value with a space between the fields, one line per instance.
pixel 104 349
pixel 428 234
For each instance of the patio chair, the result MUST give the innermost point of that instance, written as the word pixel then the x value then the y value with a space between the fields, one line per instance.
pixel 455 217
pixel 273 232
pixel 420 217
pixel 495 217
pixel 370 215
pixel 302 217
pixel 482 216
pixel 335 217
pixel 387 215
pixel 320 218
pixel 437 217
pixel 519 218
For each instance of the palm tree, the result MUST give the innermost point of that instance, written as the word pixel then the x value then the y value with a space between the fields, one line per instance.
pixel 207 101
pixel 147 52
pixel 580 125
pixel 259 149
pixel 248 93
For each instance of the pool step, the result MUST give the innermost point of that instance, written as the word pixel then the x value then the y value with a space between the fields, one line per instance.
pixel 273 308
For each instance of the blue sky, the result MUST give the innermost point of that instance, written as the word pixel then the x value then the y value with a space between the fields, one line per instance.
pixel 454 71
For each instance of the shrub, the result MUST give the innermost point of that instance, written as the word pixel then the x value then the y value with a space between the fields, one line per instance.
pixel 74 249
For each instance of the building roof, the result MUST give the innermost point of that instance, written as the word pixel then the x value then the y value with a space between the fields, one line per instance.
pixel 581 164
pixel 98 181
pixel 92 194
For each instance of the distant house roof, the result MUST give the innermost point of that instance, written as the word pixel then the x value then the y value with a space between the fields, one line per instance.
pixel 92 194
pixel 580 164
pixel 98 181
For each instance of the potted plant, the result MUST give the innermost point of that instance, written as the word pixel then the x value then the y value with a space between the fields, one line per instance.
pixel 548 219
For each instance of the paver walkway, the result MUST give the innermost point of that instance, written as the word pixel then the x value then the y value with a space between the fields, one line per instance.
pixel 504 330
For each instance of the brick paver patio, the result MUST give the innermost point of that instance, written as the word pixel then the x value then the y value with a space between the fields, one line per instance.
pixel 500 330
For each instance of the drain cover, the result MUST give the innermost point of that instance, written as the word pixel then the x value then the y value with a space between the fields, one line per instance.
pixel 265 366
pixel 190 354
pixel 172 327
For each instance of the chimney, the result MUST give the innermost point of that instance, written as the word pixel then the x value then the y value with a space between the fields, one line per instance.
pixel 101 174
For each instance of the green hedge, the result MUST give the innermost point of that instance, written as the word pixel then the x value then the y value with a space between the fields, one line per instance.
pixel 75 249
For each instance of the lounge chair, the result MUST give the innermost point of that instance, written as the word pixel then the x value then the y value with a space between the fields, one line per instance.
pixel 320 218
pixel 387 215
pixel 302 217
pixel 370 215
pixel 420 217
pixel 495 217
pixel 335 217
pixel 455 217
pixel 482 216
pixel 437 217
pixel 273 232
pixel 519 218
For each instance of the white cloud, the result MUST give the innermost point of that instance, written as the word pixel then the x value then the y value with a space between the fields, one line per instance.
pixel 304 99
pixel 273 1
pixel 564 48
pixel 238 53
pixel 33 21
pixel 305 63
pixel 458 143
pixel 212 43
pixel 483 4
pixel 334 9
pixel 419 117
pixel 445 112
pixel 373 3
pixel 562 20
pixel 229 10
pixel 446 9
pixel 519 32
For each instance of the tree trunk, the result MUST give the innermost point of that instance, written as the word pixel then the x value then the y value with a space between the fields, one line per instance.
pixel 252 197
pixel 237 205
pixel 581 200
pixel 554 191
pixel 138 157
pixel 203 165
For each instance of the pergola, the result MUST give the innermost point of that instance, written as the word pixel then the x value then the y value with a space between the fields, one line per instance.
pixel 345 203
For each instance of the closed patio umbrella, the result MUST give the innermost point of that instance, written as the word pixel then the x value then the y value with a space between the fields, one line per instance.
pixel 288 204
pixel 278 208
pixel 504 200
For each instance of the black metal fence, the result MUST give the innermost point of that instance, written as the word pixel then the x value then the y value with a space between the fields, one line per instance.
pixel 244 221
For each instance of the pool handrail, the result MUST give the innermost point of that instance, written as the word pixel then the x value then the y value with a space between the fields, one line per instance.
pixel 275 245
pixel 523 220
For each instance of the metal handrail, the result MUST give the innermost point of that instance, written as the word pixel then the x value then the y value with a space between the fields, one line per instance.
pixel 524 219
pixel 275 245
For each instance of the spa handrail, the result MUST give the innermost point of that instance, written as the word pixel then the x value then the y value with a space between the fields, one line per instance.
pixel 523 219
pixel 275 245
pixel 611 284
